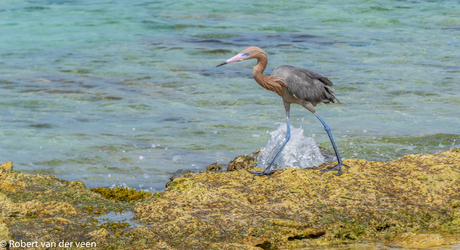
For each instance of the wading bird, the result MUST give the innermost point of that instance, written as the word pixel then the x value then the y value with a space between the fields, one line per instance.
pixel 294 85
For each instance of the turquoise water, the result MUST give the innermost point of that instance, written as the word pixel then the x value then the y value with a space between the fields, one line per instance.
pixel 126 92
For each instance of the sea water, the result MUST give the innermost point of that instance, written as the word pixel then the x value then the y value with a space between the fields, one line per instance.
pixel 127 92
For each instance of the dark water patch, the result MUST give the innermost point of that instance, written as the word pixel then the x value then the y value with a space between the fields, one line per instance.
pixel 87 120
pixel 176 70
pixel 141 107
pixel 174 119
pixel 215 36
pixel 279 29
pixel 403 7
pixel 171 85
pixel 79 71
pixel 451 27
pixel 358 44
pixel 52 163
pixel 43 125
pixel 216 51
pixel 58 91
pixel 62 2
pixel 345 88
pixel 7 82
pixel 47 171
pixel 149 24
pixel 262 40
pixel 379 8
pixel 371 9
pixel 209 41
pixel 183 26
pixel 113 98
pixel 337 20
pixel 452 67
pixel 35 8
pixel 382 23
pixel 409 93
pixel 231 71
pixel 96 160
pixel 175 48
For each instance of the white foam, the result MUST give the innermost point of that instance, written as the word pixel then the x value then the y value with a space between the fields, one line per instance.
pixel 299 152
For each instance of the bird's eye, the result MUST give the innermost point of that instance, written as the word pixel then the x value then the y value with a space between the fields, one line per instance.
pixel 245 54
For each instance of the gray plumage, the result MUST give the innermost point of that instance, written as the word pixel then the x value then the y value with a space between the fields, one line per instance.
pixel 305 85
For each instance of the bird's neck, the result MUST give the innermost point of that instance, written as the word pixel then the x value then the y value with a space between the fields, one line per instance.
pixel 265 81
pixel 258 71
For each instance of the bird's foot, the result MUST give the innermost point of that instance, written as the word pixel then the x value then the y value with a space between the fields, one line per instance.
pixel 266 172
pixel 337 167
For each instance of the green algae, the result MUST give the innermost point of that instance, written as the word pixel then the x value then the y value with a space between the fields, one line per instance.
pixel 121 193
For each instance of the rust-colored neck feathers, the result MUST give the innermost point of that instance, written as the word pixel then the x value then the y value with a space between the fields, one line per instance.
pixel 266 82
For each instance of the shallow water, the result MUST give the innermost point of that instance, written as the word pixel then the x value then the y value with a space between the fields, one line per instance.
pixel 110 92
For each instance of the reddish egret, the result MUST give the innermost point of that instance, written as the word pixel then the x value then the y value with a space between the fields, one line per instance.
pixel 294 85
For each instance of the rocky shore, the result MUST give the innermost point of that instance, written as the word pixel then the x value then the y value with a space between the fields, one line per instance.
pixel 411 202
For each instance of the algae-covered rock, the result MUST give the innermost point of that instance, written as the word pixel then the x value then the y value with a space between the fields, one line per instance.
pixel 6 167
pixel 413 201
pixel 246 161
pixel 44 209
pixel 214 167
pixel 392 202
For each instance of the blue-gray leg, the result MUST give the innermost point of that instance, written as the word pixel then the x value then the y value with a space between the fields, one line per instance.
pixel 328 130
pixel 268 170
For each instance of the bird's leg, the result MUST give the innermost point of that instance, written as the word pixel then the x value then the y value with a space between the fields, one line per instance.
pixel 268 170
pixel 328 130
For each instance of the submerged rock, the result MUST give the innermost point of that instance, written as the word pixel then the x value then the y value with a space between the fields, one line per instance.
pixel 412 201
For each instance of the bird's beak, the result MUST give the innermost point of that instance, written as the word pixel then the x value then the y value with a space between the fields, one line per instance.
pixel 221 64
pixel 236 58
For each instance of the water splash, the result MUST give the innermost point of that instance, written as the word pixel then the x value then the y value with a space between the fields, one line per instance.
pixel 299 152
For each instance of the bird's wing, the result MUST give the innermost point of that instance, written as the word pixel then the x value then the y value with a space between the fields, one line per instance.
pixel 321 78
pixel 305 84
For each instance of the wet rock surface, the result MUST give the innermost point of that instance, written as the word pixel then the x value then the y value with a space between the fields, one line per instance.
pixel 413 201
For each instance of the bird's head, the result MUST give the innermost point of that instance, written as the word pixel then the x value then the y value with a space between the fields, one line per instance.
pixel 248 53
